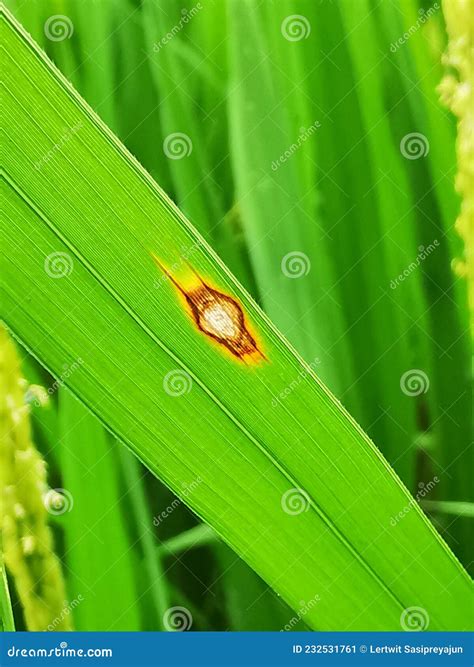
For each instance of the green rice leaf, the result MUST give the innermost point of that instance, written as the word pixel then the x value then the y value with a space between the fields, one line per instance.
pixel 260 450
pixel 7 624
pixel 102 580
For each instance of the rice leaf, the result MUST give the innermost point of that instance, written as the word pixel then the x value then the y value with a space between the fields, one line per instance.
pixel 267 456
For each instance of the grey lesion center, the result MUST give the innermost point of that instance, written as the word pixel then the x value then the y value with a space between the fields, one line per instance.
pixel 218 319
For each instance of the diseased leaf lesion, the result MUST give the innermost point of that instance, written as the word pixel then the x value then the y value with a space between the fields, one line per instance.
pixel 218 316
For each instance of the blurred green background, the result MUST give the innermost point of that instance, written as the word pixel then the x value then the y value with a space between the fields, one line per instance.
pixel 306 141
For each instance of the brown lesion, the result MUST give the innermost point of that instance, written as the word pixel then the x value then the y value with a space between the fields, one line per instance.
pixel 217 315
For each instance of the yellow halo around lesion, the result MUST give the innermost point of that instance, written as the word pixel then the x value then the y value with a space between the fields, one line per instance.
pixel 217 315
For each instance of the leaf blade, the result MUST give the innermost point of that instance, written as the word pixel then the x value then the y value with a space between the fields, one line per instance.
pixel 126 331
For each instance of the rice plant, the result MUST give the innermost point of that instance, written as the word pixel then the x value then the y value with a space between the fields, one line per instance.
pixel 239 299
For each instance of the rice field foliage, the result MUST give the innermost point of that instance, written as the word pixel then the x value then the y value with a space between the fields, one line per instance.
pixel 309 171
